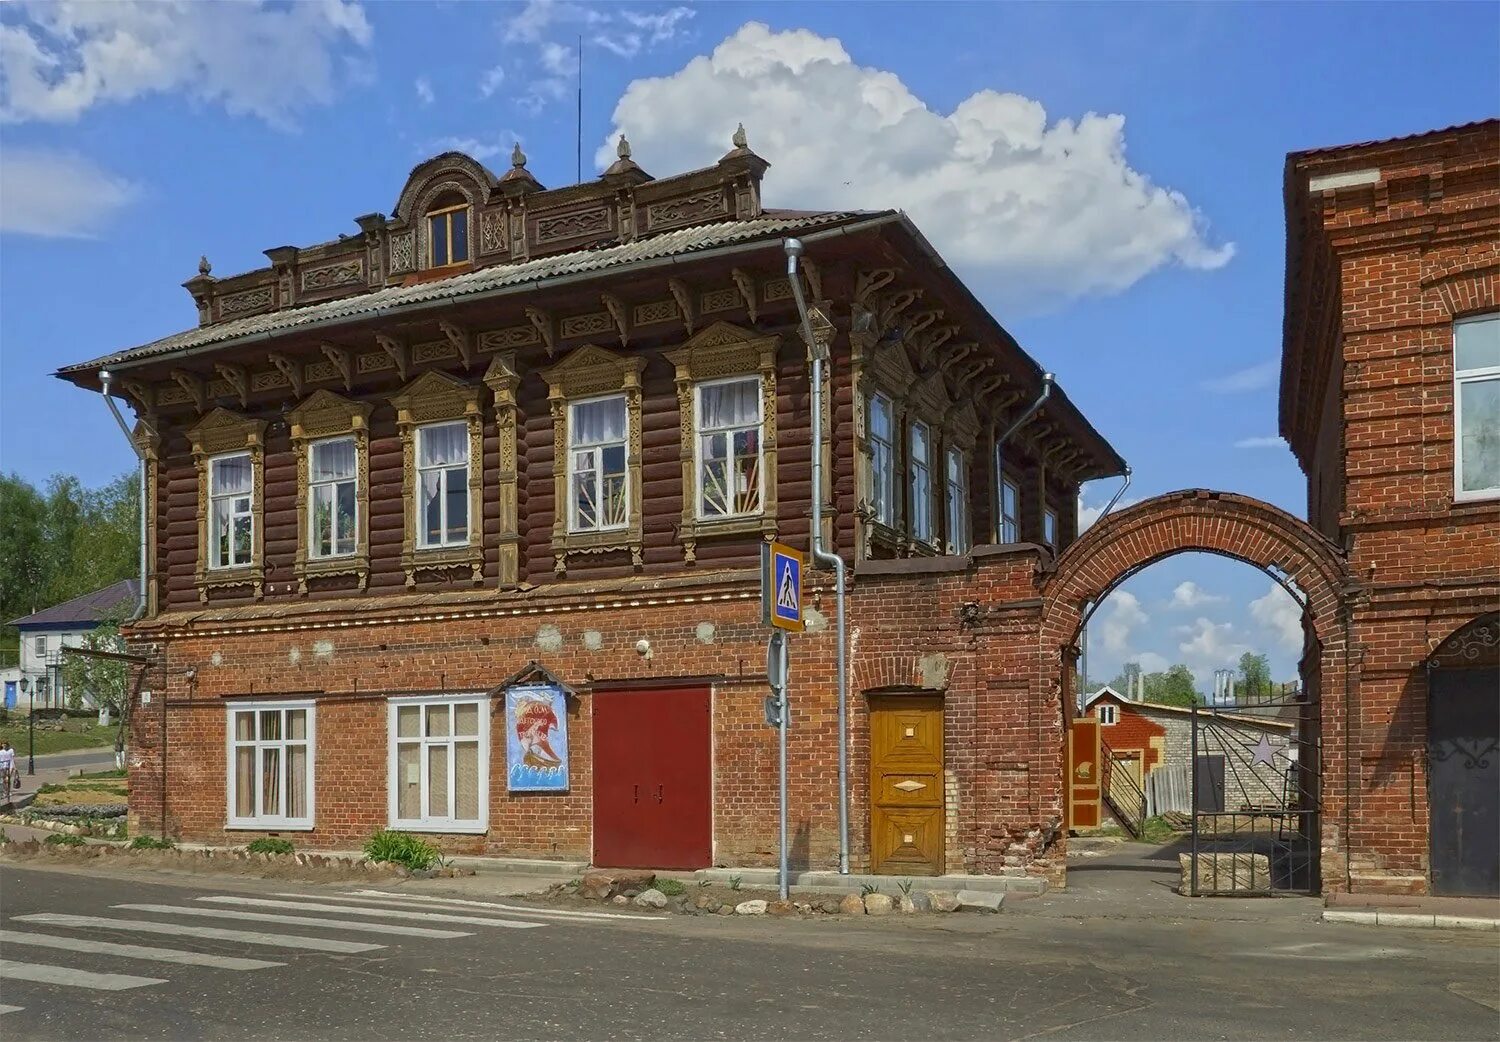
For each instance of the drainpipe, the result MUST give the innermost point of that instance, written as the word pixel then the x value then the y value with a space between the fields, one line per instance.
pixel 1047 381
pixel 105 378
pixel 820 553
pixel 1116 497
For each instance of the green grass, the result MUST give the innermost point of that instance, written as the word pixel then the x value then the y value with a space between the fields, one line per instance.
pixel 49 741
pixel 151 843
pixel 1157 830
pixel 118 773
pixel 670 887
pixel 402 849
pixel 61 839
pixel 269 845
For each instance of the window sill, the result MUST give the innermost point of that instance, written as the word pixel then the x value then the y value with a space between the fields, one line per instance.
pixel 437 274
pixel 268 826
pixel 448 829
pixel 1488 495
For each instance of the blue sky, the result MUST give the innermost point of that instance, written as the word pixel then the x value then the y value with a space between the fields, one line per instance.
pixel 1106 177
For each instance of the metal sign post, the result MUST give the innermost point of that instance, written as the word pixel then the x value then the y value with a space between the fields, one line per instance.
pixel 781 570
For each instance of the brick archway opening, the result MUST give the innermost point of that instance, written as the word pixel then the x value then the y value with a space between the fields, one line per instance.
pixel 1265 537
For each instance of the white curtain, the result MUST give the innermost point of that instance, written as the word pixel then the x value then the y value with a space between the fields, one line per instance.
pixel 595 423
pixel 231 475
pixel 729 404
pixel 442 445
pixel 332 460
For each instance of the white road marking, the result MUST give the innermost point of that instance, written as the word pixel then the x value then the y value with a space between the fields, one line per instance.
pixel 298 920
pixel 459 902
pixel 378 913
pixel 71 978
pixel 10 1009
pixel 133 951
pixel 273 940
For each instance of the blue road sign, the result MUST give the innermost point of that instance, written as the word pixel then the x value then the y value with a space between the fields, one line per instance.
pixel 781 586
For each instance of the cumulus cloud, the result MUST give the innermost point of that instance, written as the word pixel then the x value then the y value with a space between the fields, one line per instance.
pixel 491 80
pixel 1210 645
pixel 1281 615
pixel 1089 513
pixel 424 90
pixel 1125 615
pixel 480 149
pixel 1272 442
pixel 1048 207
pixel 1241 381
pixel 62 58
pixel 57 194
pixel 619 30
pixel 1190 595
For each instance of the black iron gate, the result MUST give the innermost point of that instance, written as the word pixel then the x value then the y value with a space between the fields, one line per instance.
pixel 1255 797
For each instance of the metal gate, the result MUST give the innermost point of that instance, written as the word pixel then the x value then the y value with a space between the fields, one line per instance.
pixel 1256 782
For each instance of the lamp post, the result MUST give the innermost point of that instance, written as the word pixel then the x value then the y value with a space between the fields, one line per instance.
pixel 31 728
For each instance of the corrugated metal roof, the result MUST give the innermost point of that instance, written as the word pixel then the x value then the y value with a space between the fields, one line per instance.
pixel 683 240
pixel 1401 140
pixel 83 611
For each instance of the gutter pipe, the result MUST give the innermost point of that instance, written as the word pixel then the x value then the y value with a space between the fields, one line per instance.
pixel 820 553
pixel 1048 381
pixel 1116 497
pixel 105 379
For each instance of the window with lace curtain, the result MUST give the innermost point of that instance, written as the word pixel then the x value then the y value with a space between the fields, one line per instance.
pixel 598 478
pixel 232 517
pixel 443 485
pixel 439 763
pixel 271 754
pixel 728 423
pixel 333 492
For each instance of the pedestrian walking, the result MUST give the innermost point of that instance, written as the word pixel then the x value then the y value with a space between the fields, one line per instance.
pixel 8 778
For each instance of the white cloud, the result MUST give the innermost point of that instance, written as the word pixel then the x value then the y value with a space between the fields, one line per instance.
pixel 1251 378
pixel 646 31
pixel 539 17
pixel 1047 209
pixel 1210 645
pixel 474 147
pixel 1273 442
pixel 1190 595
pixel 1151 662
pixel 1125 614
pixel 424 90
pixel 558 59
pixel 62 58
pixel 1279 613
pixel 56 194
pixel 553 29
pixel 1088 514
pixel 491 80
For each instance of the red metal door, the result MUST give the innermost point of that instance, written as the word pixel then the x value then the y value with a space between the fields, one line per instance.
pixel 653 784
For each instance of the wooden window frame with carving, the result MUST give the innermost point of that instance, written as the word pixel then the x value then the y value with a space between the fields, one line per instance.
pixel 222 433
pixel 448 211
pixel 323 415
pixel 436 397
pixel 961 430
pixel 885 370
pixel 719 352
pixel 592 372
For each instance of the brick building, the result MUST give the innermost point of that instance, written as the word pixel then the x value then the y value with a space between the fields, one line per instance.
pixel 453 527
pixel 1390 399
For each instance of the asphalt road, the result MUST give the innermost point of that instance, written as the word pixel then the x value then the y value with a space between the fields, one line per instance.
pixel 1011 976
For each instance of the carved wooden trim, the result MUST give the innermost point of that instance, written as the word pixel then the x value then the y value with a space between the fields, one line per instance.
pixel 503 379
pixel 460 339
pixel 718 351
pixel 686 305
pixel 885 370
pixel 194 386
pixel 343 360
pixel 399 352
pixel 436 397
pixel 745 283
pixel 148 441
pixel 219 432
pixel 586 373
pixel 328 415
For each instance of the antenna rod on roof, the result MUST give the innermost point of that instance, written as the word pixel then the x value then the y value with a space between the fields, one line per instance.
pixel 580 108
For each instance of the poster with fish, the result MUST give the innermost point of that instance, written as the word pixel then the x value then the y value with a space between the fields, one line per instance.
pixel 536 739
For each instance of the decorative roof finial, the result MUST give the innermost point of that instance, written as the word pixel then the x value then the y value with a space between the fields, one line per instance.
pixel 517 157
pixel 739 140
pixel 623 148
pixel 203 266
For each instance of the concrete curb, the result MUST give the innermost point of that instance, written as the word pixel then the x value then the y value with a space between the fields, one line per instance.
pixel 763 877
pixel 1417 920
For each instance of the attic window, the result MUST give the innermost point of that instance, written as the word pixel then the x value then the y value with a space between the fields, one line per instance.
pixel 448 233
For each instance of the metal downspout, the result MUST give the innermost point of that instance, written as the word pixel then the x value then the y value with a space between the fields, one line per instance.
pixel 105 379
pixel 820 553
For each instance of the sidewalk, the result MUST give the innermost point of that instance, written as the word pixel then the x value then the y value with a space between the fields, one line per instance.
pixel 1432 913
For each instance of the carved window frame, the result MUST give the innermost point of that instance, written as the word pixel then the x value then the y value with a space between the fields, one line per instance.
pixel 723 351
pixel 324 414
pixel 961 430
pixel 219 433
pixel 436 397
pixel 453 183
pixel 591 372
pixel 887 372
pixel 502 378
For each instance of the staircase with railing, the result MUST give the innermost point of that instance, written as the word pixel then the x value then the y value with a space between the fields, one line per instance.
pixel 1121 791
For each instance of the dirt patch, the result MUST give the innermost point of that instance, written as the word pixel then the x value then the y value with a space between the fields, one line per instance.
pixel 78 794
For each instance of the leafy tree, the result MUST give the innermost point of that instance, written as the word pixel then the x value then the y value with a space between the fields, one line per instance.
pixel 1255 676
pixel 1175 687
pixel 105 679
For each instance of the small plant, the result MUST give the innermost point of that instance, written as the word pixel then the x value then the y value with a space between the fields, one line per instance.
pixel 62 839
pixel 401 848
pixel 151 843
pixel 269 845
pixel 671 887
pixel 905 887
pixel 734 882
pixel 704 884
pixel 866 889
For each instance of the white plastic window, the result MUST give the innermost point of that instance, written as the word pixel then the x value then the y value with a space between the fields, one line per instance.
pixel 1476 407
pixel 439 764
pixel 271 765
pixel 443 485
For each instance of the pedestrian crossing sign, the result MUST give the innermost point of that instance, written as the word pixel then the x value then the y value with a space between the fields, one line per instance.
pixel 781 586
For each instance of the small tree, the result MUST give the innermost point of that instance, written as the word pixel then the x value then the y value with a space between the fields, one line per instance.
pixel 108 680
pixel 1255 676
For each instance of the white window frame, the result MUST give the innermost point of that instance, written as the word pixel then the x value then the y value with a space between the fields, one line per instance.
pixel 882 479
pixel 447 824
pixel 574 448
pixel 1109 715
pixel 760 447
pixel 957 492
pixel 272 822
pixel 1483 374
pixel 334 483
pixel 1009 529
pixel 1049 527
pixel 213 497
pixel 919 480
pixel 41 646
pixel 466 466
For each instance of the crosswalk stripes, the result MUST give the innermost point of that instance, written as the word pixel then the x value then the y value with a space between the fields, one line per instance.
pixel 298 920
pixel 132 951
pixel 427 900
pixel 273 940
pixel 71 978
pixel 380 913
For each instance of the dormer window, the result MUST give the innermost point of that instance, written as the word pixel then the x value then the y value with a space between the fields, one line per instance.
pixel 448 234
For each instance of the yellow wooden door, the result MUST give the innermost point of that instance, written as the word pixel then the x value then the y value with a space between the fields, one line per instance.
pixel 906 785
